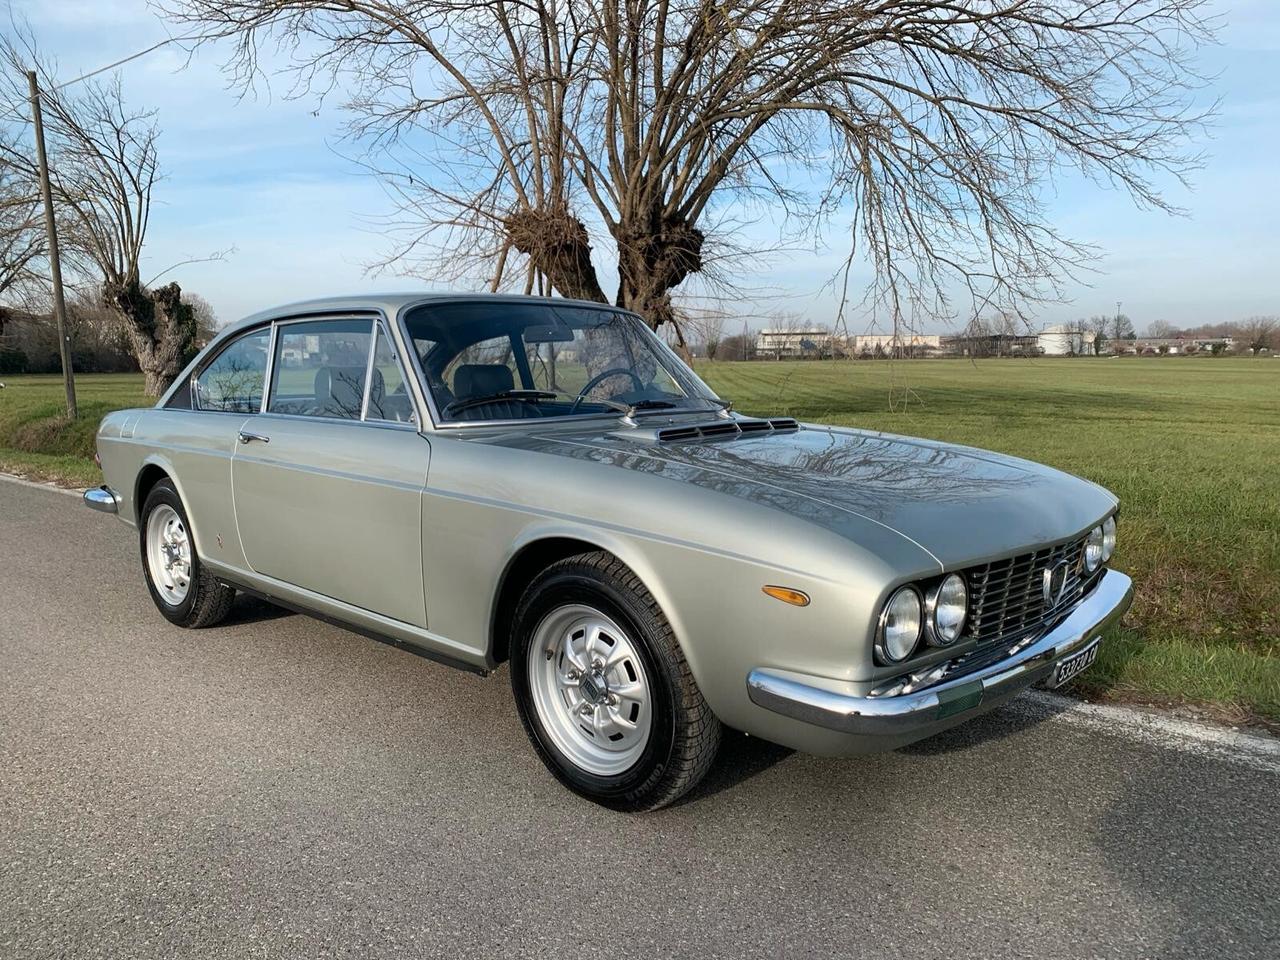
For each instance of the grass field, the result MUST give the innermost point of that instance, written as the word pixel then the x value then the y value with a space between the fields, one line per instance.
pixel 1191 446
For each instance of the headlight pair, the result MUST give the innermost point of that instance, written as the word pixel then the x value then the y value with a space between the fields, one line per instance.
pixel 909 615
pixel 1100 544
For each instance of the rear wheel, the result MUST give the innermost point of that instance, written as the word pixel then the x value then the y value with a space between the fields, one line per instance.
pixel 183 590
pixel 603 689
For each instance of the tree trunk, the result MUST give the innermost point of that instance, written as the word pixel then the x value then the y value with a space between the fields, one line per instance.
pixel 654 257
pixel 160 327
pixel 556 243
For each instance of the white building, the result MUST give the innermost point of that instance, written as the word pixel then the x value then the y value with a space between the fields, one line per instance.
pixel 890 343
pixel 1062 341
pixel 783 344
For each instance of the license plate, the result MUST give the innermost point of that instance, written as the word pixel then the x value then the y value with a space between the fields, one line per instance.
pixel 1072 666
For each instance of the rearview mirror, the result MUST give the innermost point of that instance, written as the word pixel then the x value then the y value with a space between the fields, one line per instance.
pixel 548 333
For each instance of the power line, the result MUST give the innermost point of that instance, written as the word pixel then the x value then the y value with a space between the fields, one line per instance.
pixel 14 111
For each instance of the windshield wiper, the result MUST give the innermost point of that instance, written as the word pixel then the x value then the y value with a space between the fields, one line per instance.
pixel 649 403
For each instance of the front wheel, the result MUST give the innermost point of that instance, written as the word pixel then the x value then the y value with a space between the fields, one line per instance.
pixel 603 689
pixel 183 590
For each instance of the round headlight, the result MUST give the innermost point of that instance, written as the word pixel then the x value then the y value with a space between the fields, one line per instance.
pixel 950 603
pixel 1093 549
pixel 900 625
pixel 1108 538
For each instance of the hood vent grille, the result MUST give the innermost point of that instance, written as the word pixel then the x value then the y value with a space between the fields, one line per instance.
pixel 727 428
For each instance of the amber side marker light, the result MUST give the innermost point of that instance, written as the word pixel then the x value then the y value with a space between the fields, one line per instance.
pixel 797 598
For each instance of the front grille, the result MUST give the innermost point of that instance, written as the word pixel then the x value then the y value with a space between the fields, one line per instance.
pixel 1006 597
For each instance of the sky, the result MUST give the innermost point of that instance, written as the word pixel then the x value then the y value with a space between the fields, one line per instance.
pixel 266 176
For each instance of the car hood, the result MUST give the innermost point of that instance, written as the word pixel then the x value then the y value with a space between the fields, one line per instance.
pixel 961 504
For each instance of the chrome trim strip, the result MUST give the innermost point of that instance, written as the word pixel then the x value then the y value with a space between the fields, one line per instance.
pixel 267 386
pixel 909 716
pixel 103 499
pixel 368 370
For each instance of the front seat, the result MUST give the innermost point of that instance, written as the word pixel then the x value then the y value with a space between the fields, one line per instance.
pixel 339 390
pixel 482 380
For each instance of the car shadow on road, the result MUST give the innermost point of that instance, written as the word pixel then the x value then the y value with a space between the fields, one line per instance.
pixel 741 757
pixel 247 609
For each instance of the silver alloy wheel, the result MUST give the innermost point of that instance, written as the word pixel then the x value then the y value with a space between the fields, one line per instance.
pixel 169 554
pixel 589 688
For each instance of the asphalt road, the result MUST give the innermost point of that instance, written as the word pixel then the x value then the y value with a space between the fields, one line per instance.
pixel 277 787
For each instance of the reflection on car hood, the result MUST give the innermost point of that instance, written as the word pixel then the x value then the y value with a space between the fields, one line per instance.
pixel 961 504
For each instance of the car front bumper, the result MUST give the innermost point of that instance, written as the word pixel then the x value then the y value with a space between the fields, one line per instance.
pixel 102 498
pixel 886 722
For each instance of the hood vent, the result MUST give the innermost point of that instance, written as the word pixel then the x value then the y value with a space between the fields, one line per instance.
pixel 726 428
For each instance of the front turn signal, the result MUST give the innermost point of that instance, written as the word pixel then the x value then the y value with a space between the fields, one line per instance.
pixel 797 598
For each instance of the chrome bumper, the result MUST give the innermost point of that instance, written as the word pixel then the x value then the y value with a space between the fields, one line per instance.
pixel 907 717
pixel 102 498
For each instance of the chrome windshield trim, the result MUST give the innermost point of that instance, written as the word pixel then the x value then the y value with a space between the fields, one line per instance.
pixel 439 423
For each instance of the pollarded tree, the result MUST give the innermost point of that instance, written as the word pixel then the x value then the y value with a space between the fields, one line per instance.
pixel 103 167
pixel 514 131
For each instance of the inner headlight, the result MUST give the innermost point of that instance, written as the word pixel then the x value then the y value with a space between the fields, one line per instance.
pixel 1108 538
pixel 950 605
pixel 1093 548
pixel 900 625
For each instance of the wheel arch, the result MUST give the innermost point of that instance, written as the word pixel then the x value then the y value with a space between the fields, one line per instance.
pixel 154 469
pixel 537 550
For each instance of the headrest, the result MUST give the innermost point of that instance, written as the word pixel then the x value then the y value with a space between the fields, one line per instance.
pixel 481 380
pixel 340 389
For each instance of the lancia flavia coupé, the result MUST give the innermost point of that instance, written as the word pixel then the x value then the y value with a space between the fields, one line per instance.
pixel 544 483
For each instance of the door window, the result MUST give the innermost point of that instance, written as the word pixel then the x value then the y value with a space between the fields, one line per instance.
pixel 388 393
pixel 320 368
pixel 233 381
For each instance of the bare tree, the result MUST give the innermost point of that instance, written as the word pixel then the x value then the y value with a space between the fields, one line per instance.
pixel 22 240
pixel 104 166
pixel 1120 327
pixel 1259 333
pixel 1100 326
pixel 706 327
pixel 1161 330
pixel 513 135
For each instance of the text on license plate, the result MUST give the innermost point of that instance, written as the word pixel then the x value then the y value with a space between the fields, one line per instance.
pixel 1072 666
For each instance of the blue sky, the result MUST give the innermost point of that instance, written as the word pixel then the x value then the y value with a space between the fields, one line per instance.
pixel 262 175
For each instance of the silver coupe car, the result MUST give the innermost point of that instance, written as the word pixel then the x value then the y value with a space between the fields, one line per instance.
pixel 543 483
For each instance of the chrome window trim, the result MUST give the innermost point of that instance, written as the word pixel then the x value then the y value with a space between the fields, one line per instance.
pixel 380 327
pixel 380 424
pixel 271 367
pixel 369 315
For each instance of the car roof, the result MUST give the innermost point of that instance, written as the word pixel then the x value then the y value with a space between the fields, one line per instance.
pixel 390 304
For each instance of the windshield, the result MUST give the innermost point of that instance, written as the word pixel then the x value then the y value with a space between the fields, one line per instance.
pixel 513 360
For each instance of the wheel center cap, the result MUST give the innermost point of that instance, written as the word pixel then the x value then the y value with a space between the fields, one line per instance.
pixel 594 688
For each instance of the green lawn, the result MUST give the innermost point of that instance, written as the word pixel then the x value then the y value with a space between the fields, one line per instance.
pixel 1191 446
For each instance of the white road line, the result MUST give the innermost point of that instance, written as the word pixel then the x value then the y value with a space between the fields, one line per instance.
pixel 41 486
pixel 1253 750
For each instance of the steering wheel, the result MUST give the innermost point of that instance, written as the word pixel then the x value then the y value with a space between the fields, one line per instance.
pixel 601 377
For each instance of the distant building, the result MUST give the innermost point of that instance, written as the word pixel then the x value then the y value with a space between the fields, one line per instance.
pixel 793 344
pixel 895 344
pixel 1063 341
pixel 1176 345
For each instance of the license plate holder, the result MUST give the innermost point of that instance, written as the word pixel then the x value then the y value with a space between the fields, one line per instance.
pixel 1068 668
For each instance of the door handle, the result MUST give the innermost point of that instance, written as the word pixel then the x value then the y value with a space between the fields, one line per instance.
pixel 246 437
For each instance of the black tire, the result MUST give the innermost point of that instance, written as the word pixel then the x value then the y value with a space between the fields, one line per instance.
pixel 684 733
pixel 207 601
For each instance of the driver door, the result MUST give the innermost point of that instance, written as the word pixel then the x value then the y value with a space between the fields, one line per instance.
pixel 328 480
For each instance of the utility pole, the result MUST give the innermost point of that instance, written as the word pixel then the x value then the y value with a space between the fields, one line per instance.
pixel 55 265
